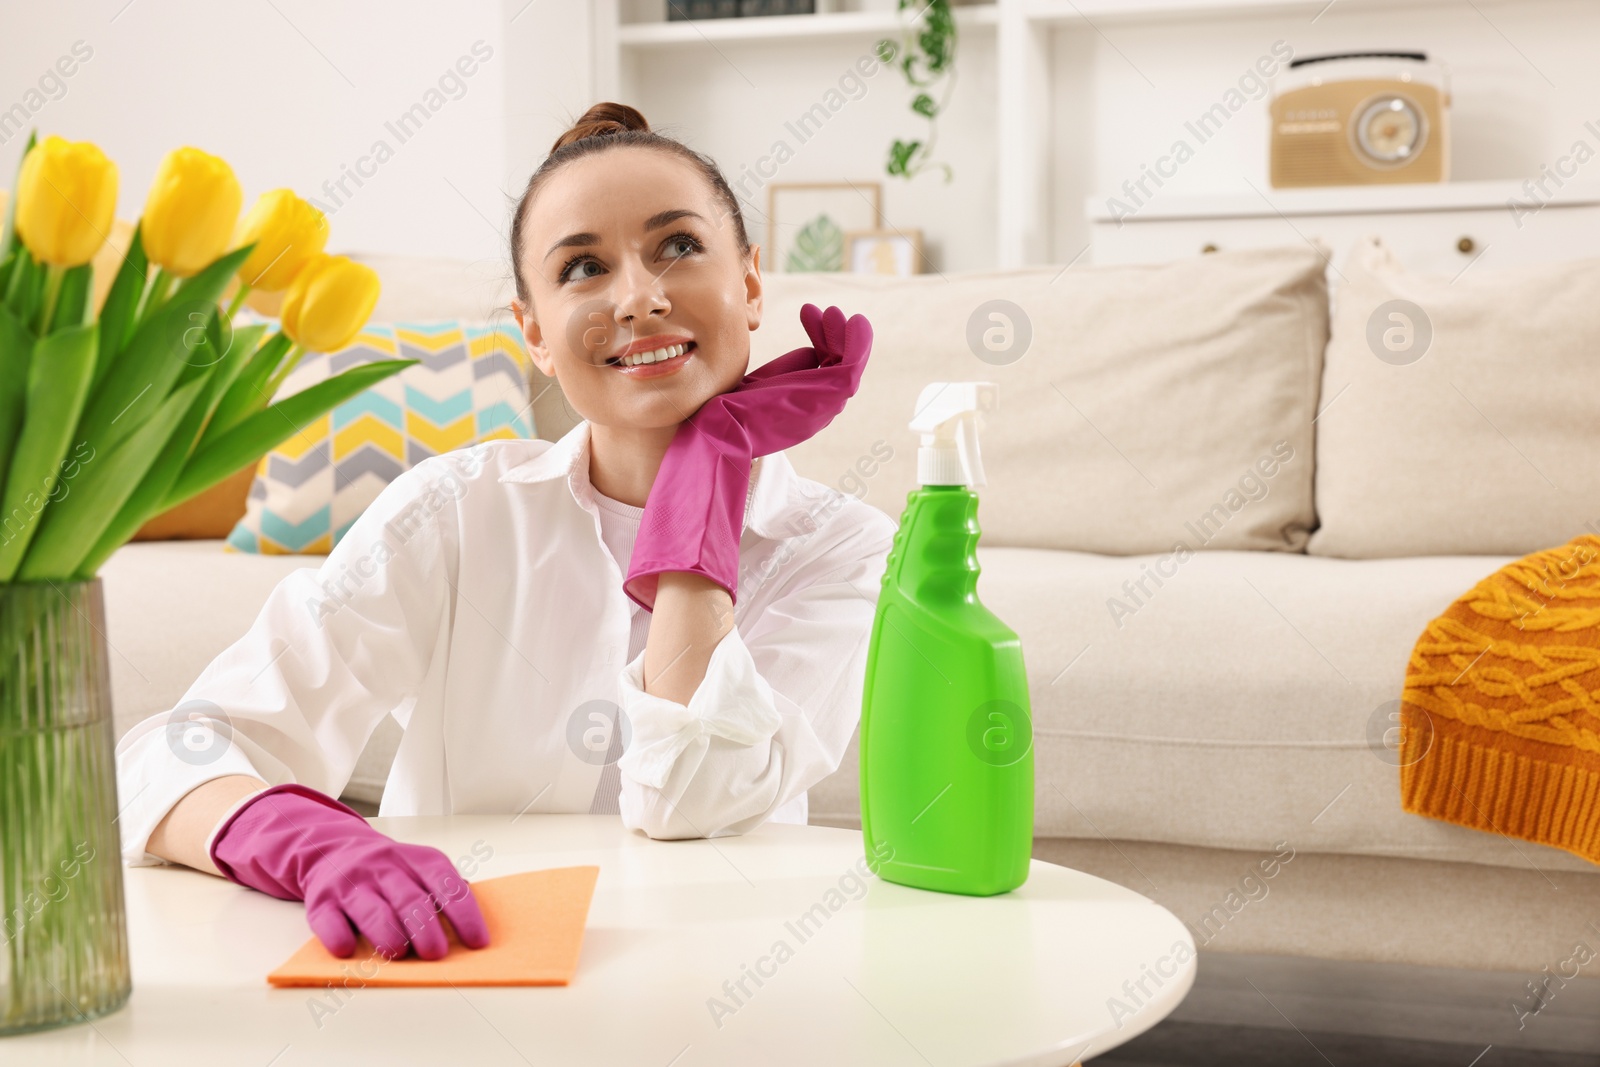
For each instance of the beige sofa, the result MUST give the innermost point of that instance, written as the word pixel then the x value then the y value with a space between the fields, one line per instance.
pixel 1230 712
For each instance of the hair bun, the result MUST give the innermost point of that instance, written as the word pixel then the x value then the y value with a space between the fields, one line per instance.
pixel 601 120
pixel 604 127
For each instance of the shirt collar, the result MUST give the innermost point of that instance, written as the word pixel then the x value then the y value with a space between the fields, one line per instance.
pixel 780 507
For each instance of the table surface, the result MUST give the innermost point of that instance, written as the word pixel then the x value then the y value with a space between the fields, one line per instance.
pixel 892 975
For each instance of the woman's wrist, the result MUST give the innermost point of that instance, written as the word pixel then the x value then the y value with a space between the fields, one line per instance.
pixel 223 820
pixel 683 592
pixel 692 615
pixel 184 834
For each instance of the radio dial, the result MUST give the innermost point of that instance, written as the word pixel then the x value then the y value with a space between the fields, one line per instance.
pixel 1390 130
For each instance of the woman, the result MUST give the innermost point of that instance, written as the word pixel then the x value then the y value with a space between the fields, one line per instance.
pixel 654 616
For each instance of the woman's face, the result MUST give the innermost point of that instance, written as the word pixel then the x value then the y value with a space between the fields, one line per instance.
pixel 629 249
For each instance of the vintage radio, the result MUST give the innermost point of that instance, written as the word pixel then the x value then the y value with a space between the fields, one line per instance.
pixel 1361 118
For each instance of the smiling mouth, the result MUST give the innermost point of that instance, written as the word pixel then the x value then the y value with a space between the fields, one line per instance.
pixel 660 355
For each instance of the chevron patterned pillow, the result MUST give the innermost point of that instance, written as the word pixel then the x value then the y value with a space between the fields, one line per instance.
pixel 471 386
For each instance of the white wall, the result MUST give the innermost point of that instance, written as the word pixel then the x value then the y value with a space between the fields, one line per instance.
pixel 290 93
pixel 294 93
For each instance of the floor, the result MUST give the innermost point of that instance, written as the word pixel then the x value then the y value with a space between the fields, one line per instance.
pixel 361 807
pixel 1333 1013
pixel 1185 1044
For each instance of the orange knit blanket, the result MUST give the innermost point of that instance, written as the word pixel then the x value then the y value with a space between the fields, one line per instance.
pixel 1500 717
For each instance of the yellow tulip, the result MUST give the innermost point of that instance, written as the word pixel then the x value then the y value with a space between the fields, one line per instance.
pixel 191 211
pixel 328 302
pixel 66 201
pixel 288 234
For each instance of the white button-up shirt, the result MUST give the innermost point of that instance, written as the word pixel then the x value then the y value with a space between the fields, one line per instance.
pixel 475 600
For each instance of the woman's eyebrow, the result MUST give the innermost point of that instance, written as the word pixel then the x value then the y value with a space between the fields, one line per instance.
pixel 654 222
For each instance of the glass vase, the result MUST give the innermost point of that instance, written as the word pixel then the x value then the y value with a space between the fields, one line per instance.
pixel 63 927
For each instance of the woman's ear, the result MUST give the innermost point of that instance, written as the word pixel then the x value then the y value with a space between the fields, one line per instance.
pixel 538 351
pixel 752 288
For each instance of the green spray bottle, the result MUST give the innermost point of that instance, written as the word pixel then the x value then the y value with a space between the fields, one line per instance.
pixel 946 721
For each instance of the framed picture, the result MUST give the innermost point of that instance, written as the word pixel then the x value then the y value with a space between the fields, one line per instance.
pixel 897 252
pixel 806 223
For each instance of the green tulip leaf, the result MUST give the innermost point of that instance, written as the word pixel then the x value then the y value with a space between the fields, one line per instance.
pixel 9 241
pixel 241 348
pixel 24 285
pixel 58 382
pixel 73 298
pixel 143 373
pixel 116 314
pixel 16 349
pixel 248 393
pixel 258 434
pixel 146 501
pixel 216 339
pixel 73 525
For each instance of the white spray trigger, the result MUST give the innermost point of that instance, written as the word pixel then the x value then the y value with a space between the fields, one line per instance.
pixel 947 418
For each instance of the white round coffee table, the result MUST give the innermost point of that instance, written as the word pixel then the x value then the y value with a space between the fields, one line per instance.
pixel 776 947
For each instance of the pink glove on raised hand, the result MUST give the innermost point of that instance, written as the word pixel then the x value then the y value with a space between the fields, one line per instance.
pixel 295 843
pixel 694 514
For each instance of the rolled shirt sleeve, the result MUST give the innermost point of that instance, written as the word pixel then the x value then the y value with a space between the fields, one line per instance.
pixel 776 709
pixel 333 650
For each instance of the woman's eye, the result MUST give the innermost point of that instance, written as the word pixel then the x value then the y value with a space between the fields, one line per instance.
pixel 684 240
pixel 578 263
pixel 678 246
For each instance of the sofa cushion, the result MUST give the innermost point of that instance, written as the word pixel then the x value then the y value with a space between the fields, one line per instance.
pixel 209 514
pixel 1139 405
pixel 435 287
pixel 438 287
pixel 469 384
pixel 1460 415
pixel 1245 700
pixel 173 606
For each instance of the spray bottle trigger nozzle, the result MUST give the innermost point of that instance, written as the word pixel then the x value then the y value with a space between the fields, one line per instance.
pixel 947 418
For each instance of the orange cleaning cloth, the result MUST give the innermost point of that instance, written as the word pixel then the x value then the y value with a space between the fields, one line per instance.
pixel 535 922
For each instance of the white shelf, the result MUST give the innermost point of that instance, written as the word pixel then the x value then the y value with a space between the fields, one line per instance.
pixel 655 34
pixel 1339 200
pixel 785 27
pixel 1102 12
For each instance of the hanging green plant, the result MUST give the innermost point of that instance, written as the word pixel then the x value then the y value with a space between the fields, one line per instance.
pixel 926 55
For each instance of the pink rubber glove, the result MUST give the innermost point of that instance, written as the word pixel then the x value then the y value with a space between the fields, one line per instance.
pixel 295 843
pixel 695 511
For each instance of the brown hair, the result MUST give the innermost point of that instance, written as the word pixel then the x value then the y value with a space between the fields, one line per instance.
pixel 609 125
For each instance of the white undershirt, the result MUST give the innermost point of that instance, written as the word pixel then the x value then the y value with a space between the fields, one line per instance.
pixel 619 527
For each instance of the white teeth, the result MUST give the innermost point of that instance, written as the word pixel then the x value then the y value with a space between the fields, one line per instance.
pixel 653 357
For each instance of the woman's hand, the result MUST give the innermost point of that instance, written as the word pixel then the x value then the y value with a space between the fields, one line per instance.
pixel 790 399
pixel 694 514
pixel 295 843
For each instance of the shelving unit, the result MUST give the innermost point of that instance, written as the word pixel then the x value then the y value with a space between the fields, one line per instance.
pixel 1351 200
pixel 788 27
pixel 1112 12
pixel 659 34
pixel 1023 84
pixel 1021 33
pixel 1443 230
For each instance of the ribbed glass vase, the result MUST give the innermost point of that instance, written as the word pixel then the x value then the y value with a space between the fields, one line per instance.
pixel 63 928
